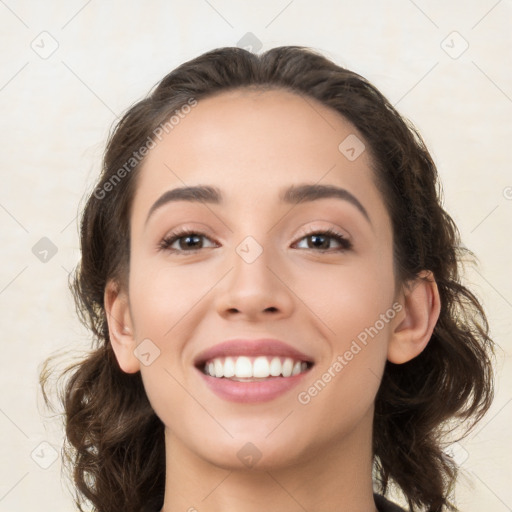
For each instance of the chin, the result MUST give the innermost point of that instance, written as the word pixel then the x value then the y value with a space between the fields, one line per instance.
pixel 252 453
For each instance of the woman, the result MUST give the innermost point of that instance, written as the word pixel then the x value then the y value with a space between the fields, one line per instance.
pixel 274 289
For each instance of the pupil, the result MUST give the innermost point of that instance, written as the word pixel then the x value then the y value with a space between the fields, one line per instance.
pixel 188 238
pixel 316 237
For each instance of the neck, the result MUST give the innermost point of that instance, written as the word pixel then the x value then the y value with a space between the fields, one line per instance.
pixel 330 478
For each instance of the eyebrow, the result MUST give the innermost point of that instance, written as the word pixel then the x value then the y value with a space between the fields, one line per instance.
pixel 294 194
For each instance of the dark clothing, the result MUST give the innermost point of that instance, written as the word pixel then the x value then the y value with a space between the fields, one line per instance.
pixel 384 505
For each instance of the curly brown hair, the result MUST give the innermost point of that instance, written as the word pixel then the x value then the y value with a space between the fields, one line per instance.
pixel 114 442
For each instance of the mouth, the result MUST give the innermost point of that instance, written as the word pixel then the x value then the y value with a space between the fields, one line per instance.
pixel 249 371
pixel 253 369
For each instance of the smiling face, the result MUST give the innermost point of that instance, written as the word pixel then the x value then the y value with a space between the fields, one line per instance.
pixel 255 264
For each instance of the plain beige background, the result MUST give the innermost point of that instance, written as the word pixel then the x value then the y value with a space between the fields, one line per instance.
pixel 69 68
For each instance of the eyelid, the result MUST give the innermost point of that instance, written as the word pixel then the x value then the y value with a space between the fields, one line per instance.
pixel 196 227
pixel 309 229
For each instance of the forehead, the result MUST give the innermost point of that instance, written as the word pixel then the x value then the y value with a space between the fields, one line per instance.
pixel 247 120
pixel 253 143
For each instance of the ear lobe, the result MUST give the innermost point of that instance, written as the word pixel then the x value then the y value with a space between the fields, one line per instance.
pixel 120 327
pixel 420 314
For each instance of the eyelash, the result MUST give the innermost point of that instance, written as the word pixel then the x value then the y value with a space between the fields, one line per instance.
pixel 165 244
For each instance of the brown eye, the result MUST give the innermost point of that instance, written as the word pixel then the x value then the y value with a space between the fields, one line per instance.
pixel 322 240
pixel 184 241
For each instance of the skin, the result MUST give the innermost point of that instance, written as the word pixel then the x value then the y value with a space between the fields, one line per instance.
pixel 314 457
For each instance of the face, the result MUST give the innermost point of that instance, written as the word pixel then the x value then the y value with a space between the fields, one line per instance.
pixel 258 264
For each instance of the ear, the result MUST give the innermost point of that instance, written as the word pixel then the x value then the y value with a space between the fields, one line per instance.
pixel 120 327
pixel 421 308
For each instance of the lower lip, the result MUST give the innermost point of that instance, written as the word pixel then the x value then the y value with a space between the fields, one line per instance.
pixel 250 392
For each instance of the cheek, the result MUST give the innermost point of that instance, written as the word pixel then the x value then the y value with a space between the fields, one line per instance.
pixel 165 302
pixel 354 305
pixel 347 298
pixel 162 296
pixel 355 310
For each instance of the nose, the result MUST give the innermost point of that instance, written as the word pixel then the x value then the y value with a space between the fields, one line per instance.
pixel 255 290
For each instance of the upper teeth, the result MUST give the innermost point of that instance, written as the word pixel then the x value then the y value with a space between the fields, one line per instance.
pixel 259 367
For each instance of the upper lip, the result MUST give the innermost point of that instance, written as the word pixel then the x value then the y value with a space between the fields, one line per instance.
pixel 247 347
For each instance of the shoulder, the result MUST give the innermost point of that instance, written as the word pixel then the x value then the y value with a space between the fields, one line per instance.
pixel 384 505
